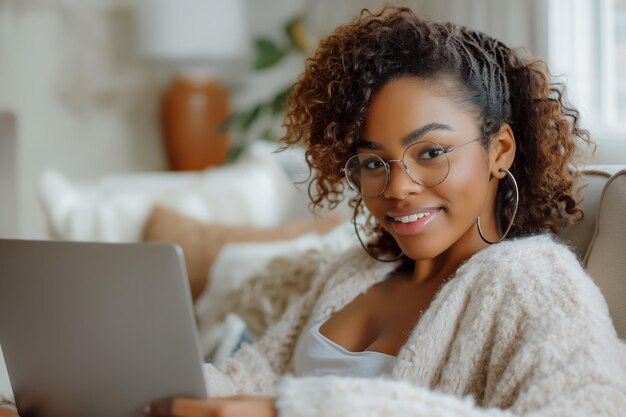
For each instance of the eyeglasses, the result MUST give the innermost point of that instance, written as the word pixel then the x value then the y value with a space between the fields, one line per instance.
pixel 426 163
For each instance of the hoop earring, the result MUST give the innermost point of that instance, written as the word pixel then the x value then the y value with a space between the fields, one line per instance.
pixel 363 245
pixel 516 192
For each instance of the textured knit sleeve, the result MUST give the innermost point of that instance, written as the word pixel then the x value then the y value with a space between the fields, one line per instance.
pixel 554 352
pixel 257 368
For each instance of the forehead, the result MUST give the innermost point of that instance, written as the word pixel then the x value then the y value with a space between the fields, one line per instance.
pixel 404 104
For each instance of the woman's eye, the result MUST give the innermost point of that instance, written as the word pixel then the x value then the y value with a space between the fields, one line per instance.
pixel 432 153
pixel 372 164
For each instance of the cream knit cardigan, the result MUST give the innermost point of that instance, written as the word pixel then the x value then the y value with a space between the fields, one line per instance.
pixel 519 330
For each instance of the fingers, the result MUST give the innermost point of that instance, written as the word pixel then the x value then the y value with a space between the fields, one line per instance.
pixel 185 407
pixel 239 406
pixel 159 408
pixel 180 407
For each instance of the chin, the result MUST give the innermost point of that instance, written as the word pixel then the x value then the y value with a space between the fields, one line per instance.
pixel 421 249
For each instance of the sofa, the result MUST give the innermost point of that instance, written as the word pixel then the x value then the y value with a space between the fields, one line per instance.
pixel 233 251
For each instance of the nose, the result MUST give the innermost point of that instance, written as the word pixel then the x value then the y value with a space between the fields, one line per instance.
pixel 400 184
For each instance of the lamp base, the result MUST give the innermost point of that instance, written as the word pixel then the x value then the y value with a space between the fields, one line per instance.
pixel 191 112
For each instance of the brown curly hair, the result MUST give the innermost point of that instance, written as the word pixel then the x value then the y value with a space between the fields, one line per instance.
pixel 328 104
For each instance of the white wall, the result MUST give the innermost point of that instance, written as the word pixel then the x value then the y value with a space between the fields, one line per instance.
pixel 84 143
pixel 86 104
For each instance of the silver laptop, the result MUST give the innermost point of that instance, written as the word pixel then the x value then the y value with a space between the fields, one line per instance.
pixel 96 329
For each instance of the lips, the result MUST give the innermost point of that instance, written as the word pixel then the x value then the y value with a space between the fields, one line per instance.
pixel 411 218
pixel 414 223
pixel 409 211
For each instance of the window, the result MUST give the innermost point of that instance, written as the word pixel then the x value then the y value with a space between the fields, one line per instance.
pixel 587 47
pixel 620 53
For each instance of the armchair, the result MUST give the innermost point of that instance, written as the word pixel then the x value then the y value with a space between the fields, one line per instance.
pixel 600 238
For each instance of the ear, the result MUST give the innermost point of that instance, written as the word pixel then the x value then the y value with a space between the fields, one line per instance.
pixel 502 151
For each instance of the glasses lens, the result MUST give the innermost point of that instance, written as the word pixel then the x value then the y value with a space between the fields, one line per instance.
pixel 366 174
pixel 427 163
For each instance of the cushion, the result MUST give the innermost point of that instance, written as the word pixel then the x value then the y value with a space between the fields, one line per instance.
pixel 254 190
pixel 201 241
pixel 258 281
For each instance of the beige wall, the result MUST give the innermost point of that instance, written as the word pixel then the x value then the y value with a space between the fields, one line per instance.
pixel 93 138
pixel 85 102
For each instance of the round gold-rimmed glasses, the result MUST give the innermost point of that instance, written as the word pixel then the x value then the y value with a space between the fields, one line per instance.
pixel 426 163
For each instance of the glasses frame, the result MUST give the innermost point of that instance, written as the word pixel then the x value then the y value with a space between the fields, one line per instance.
pixel 387 165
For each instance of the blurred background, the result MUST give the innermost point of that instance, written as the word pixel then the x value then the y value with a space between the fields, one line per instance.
pixel 91 89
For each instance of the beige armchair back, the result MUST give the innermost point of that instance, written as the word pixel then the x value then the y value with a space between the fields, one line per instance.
pixel 600 238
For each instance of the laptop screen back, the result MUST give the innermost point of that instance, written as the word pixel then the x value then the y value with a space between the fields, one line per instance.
pixel 96 329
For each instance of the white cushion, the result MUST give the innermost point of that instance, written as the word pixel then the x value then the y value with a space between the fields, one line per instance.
pixel 254 191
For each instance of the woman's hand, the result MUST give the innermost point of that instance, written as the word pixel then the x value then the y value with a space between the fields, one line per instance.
pixel 239 406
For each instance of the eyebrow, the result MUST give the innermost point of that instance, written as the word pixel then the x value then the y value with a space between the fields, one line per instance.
pixel 408 139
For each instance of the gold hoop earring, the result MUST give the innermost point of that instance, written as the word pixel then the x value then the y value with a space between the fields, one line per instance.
pixel 516 192
pixel 363 245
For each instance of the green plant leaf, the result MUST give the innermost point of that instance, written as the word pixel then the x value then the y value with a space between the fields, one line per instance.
pixel 235 152
pixel 267 53
pixel 267 135
pixel 251 116
pixel 278 103
pixel 235 121
pixel 228 124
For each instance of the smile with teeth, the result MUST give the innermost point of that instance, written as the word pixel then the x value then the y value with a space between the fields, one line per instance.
pixel 412 218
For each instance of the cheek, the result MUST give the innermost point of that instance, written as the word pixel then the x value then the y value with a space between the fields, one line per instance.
pixel 467 187
pixel 376 206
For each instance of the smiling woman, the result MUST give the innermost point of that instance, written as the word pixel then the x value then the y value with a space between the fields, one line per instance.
pixel 462 152
pixel 464 85
pixel 447 190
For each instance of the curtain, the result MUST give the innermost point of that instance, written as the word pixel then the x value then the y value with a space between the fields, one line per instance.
pixel 516 23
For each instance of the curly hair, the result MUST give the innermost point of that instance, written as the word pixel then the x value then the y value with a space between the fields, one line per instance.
pixel 328 104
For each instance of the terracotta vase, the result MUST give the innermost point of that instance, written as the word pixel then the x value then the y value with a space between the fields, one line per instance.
pixel 191 113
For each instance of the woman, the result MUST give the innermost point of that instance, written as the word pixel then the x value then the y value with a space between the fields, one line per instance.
pixel 452 142
pixel 464 304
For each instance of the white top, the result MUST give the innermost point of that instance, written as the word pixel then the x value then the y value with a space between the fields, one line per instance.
pixel 316 355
